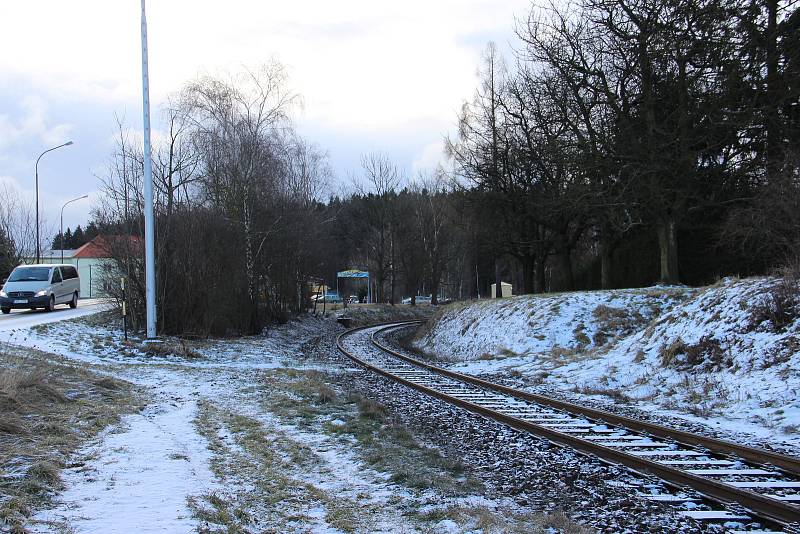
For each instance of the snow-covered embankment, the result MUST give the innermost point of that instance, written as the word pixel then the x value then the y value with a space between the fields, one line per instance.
pixel 729 352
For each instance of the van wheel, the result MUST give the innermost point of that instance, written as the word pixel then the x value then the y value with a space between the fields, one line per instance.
pixel 6 310
pixel 50 304
pixel 74 302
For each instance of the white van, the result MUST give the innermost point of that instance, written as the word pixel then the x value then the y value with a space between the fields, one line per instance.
pixel 40 286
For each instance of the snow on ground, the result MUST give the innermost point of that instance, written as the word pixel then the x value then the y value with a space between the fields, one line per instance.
pixel 532 325
pixel 208 449
pixel 705 354
pixel 26 318
pixel 137 478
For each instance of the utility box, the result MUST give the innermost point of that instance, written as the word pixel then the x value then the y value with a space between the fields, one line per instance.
pixel 508 291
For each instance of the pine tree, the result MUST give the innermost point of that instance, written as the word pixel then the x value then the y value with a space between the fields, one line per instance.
pixel 78 238
pixel 7 256
pixel 67 239
pixel 56 244
pixel 91 231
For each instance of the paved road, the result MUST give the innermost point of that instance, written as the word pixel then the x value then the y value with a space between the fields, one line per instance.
pixel 28 318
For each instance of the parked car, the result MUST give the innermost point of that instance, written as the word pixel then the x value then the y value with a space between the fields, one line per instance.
pixel 330 297
pixel 40 286
pixel 421 299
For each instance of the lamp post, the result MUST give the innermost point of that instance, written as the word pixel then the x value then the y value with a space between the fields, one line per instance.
pixel 37 194
pixel 62 222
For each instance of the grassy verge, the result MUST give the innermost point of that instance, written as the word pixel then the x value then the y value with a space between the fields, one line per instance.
pixel 47 411
pixel 319 456
pixel 267 482
pixel 311 399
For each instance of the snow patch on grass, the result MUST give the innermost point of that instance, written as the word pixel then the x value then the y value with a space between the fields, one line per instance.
pixel 711 354
pixel 524 325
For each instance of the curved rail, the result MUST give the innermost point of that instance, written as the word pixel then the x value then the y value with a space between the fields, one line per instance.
pixel 761 505
pixel 719 446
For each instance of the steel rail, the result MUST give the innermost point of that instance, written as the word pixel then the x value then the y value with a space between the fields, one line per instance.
pixel 789 464
pixel 760 505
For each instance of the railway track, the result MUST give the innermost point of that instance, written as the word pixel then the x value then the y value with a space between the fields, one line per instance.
pixel 743 482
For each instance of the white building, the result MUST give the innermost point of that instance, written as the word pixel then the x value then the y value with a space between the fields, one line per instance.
pixel 508 291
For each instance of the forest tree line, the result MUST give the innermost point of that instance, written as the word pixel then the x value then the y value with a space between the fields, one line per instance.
pixel 72 240
pixel 623 143
pixel 638 141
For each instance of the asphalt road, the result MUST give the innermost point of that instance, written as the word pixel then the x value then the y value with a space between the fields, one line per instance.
pixel 28 318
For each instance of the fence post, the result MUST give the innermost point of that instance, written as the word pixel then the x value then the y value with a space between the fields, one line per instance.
pixel 124 309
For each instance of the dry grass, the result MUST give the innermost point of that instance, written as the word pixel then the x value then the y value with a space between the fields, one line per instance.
pixel 614 394
pixel 302 398
pixel 615 322
pixel 178 348
pixel 20 388
pixel 47 410
pixel 483 519
pixel 779 307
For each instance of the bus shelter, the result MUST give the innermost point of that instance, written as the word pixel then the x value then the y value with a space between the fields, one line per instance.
pixel 354 273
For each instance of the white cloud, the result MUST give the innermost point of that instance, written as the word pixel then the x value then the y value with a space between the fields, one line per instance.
pixel 359 64
pixel 429 158
pixel 33 124
pixel 374 76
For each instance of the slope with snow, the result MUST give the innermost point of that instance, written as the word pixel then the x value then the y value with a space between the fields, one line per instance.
pixel 708 354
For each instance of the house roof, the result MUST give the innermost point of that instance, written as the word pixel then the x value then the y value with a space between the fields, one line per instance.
pixel 102 246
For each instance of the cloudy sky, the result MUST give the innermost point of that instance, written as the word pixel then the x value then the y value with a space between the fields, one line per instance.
pixel 374 75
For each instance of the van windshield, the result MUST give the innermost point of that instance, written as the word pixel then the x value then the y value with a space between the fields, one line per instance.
pixel 30 274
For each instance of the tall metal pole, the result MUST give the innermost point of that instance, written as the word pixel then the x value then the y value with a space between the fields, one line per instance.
pixel 149 223
pixel 62 222
pixel 38 248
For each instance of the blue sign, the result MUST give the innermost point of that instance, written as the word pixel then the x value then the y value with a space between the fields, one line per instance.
pixel 352 274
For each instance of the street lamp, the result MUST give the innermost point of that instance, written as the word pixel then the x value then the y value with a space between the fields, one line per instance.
pixel 37 194
pixel 62 222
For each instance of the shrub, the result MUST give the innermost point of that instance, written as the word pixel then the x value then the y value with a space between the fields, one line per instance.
pixel 371 409
pixel 708 352
pixel 671 354
pixel 612 322
pixel 325 395
pixel 780 306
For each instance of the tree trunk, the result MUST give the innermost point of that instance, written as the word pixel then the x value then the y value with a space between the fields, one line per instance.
pixel 605 268
pixel 391 256
pixel 539 279
pixel 564 277
pixel 668 248
pixel 497 280
pixel 253 325
pixel 774 87
pixel 565 269
pixel 435 290
pixel 606 253
pixel 380 278
pixel 528 275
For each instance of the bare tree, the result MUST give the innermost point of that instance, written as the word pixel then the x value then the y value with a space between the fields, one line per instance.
pixel 17 225
pixel 236 125
pixel 377 218
pixel 431 215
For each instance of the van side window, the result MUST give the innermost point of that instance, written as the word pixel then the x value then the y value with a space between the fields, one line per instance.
pixel 56 275
pixel 69 273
